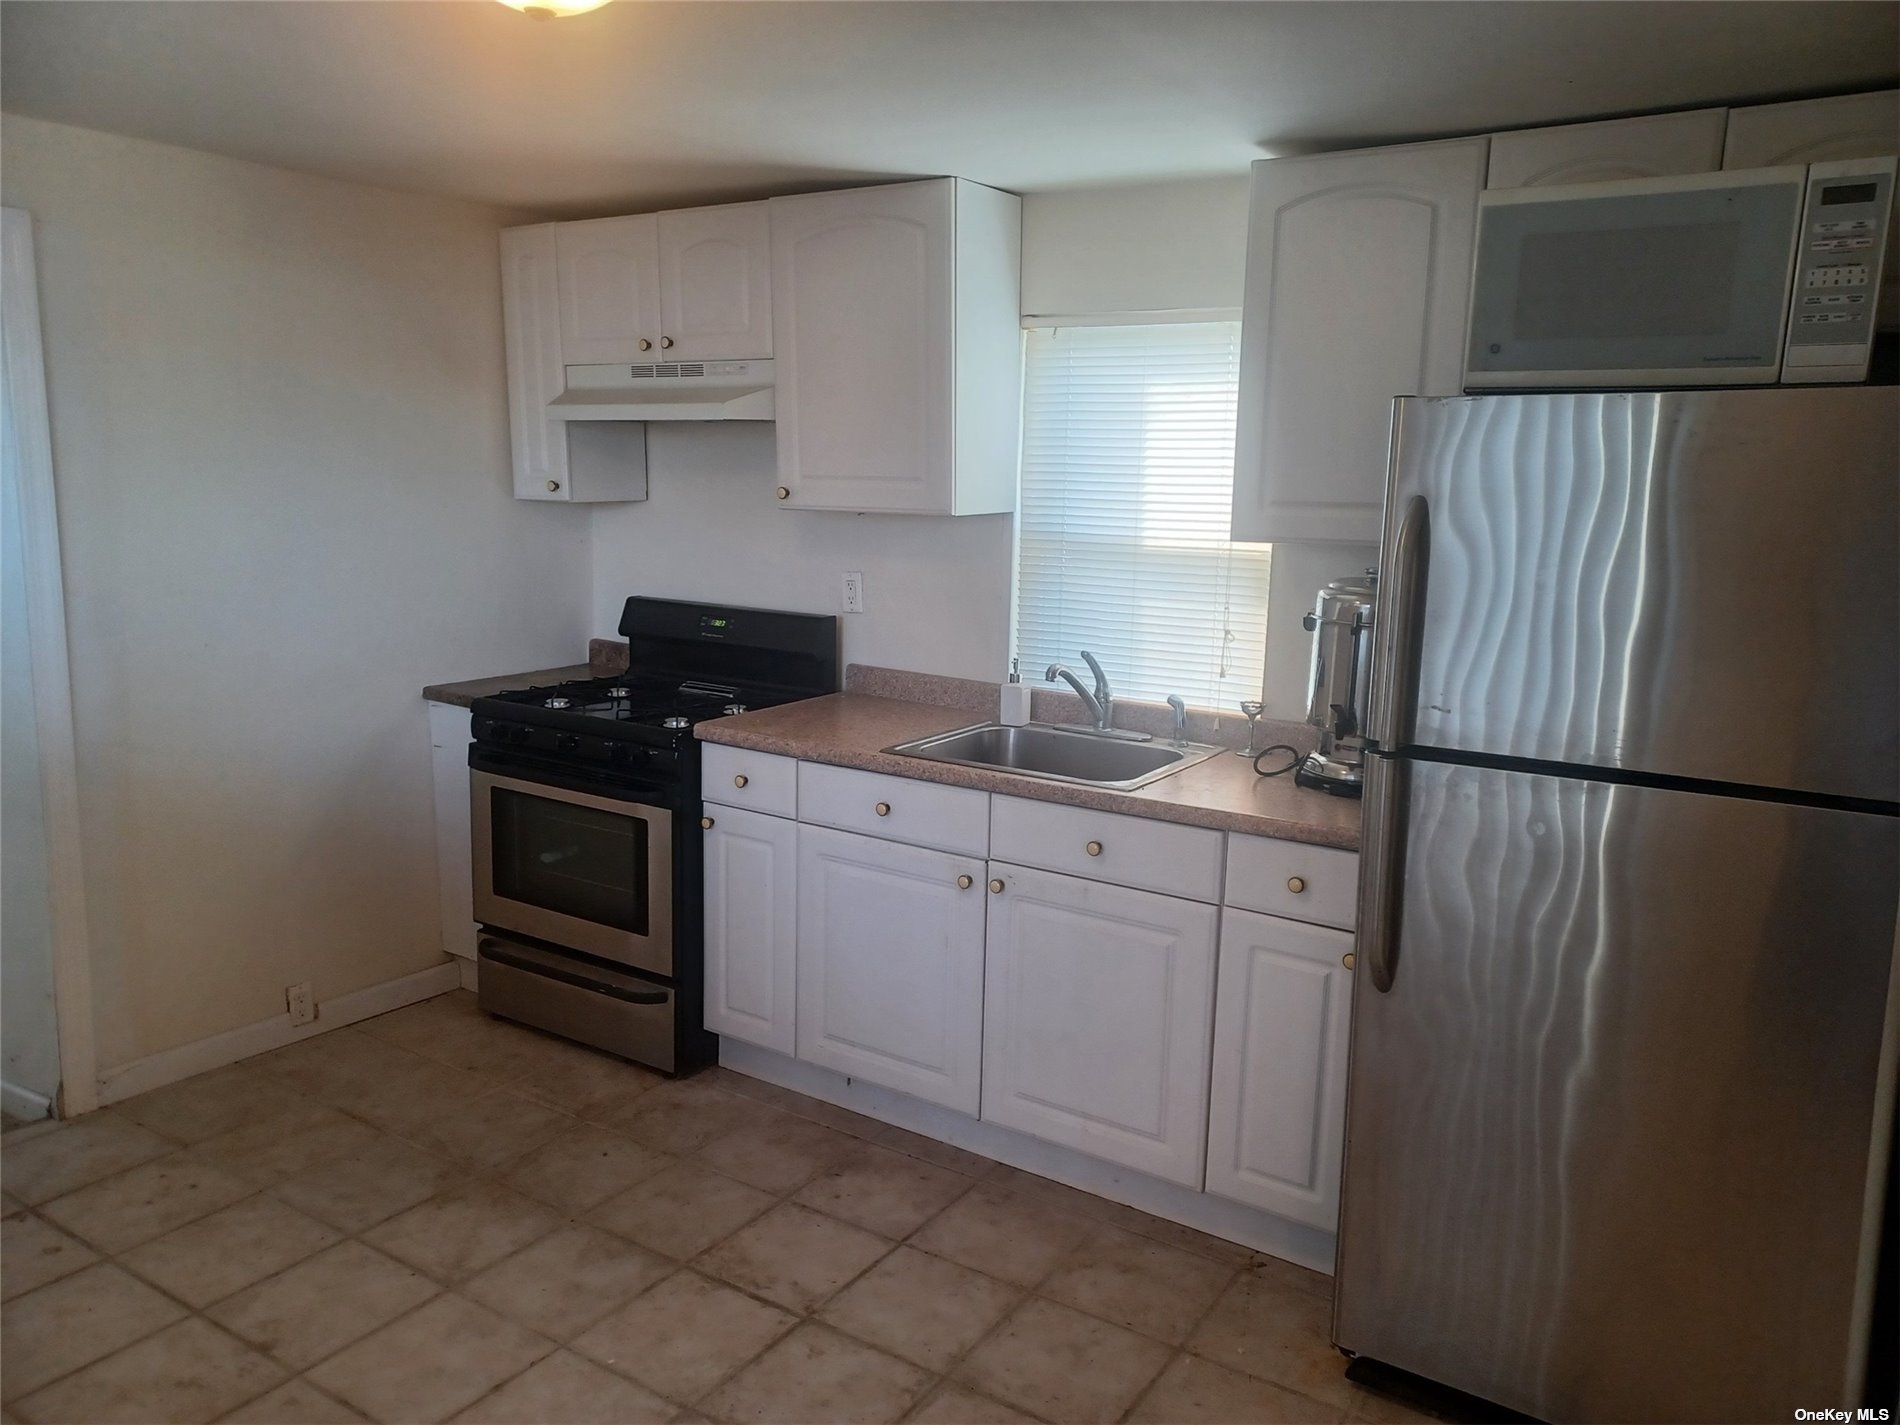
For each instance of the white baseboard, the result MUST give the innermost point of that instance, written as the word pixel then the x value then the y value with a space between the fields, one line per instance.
pixel 170 1065
pixel 24 1103
pixel 1217 1216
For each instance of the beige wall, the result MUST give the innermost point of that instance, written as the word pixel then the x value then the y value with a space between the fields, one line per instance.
pixel 281 451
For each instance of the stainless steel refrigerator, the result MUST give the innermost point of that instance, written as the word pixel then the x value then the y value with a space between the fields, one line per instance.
pixel 1624 1027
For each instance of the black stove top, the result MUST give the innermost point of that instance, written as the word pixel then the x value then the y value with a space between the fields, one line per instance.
pixel 688 663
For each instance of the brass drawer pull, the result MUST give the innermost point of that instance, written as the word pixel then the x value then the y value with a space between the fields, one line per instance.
pixel 965 882
pixel 1094 848
pixel 783 493
pixel 705 823
pixel 1349 959
pixel 740 780
pixel 996 887
pixel 1295 884
pixel 883 808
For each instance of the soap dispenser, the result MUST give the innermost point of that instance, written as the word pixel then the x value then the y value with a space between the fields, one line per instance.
pixel 1015 698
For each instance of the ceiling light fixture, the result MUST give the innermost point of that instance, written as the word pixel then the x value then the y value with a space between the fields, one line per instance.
pixel 553 9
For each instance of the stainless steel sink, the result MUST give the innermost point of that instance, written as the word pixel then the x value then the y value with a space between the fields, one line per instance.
pixel 1059 754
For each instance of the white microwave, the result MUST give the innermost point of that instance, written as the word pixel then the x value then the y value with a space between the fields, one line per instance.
pixel 1714 279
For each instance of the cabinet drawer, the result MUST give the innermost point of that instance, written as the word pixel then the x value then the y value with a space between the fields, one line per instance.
pixel 895 808
pixel 1122 850
pixel 734 777
pixel 1262 875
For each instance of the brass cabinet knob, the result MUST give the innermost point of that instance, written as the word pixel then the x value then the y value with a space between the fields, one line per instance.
pixel 1094 848
pixel 666 343
pixel 645 345
pixel 783 493
pixel 1349 959
pixel 705 823
pixel 996 887
pixel 965 882
pixel 553 486
pixel 740 780
pixel 883 808
pixel 1295 884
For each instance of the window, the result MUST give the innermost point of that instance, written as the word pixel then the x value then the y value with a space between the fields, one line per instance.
pixel 1127 477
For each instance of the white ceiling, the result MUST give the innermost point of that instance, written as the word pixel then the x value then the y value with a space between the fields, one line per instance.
pixel 647 104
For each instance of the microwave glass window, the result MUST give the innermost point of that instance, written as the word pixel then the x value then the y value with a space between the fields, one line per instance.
pixel 1627 282
pixel 573 860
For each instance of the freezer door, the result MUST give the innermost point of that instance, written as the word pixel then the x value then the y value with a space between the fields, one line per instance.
pixel 1608 1129
pixel 1702 584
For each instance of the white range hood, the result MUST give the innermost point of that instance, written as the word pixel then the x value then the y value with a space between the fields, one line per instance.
pixel 667 391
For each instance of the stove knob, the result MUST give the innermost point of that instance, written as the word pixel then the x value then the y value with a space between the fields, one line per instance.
pixel 567 742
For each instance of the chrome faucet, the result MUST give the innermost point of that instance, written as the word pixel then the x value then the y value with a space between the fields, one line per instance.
pixel 1180 719
pixel 1101 702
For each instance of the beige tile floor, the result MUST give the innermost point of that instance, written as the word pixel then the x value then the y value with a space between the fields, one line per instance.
pixel 435 1215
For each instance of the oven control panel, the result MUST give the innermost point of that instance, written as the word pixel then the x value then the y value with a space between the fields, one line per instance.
pixel 609 752
pixel 1837 270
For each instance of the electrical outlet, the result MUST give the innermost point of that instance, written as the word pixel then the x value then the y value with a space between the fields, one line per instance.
pixel 854 591
pixel 301 1003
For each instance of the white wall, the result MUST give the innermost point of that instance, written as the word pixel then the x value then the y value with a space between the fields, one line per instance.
pixel 280 442
pixel 936 589
pixel 1140 248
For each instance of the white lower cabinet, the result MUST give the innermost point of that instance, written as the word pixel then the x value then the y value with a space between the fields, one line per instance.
pixel 1278 1115
pixel 751 926
pixel 890 964
pixel 1097 1019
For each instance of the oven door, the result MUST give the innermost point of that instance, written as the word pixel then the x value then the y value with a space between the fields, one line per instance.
pixel 1647 282
pixel 592 873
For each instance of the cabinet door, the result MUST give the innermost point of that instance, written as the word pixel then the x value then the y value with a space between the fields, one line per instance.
pixel 1097 1019
pixel 1650 146
pixel 1814 130
pixel 1358 277
pixel 890 964
pixel 751 926
pixel 531 327
pixel 449 736
pixel 716 283
pixel 610 289
pixel 1277 1119
pixel 862 299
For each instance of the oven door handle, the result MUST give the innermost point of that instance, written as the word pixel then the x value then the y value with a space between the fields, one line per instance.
pixel 503 954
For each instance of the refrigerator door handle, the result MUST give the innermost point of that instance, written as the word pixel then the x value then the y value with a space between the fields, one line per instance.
pixel 1382 869
pixel 1397 631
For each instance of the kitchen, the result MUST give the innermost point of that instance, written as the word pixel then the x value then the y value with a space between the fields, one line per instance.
pixel 294 399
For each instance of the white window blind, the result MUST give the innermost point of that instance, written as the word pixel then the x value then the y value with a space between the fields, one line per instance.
pixel 1127 479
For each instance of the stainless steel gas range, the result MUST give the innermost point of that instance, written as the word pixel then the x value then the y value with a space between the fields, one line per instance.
pixel 585 814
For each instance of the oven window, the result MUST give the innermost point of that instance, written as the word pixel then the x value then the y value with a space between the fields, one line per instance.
pixel 573 860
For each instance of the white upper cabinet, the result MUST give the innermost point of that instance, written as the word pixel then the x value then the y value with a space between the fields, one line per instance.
pixel 555 460
pixel 715 283
pixel 890 964
pixel 610 289
pixel 1650 146
pixel 1097 1019
pixel 1358 277
pixel 1277 1118
pixel 897 335
pixel 1814 130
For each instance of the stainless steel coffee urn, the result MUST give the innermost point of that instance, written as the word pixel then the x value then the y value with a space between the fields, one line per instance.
pixel 1341 625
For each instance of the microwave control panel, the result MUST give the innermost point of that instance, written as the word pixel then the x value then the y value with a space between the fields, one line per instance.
pixel 1837 270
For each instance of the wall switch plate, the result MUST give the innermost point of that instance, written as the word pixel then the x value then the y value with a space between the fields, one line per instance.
pixel 854 591
pixel 301 1003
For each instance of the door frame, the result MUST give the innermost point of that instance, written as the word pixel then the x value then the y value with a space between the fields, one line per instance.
pixel 52 675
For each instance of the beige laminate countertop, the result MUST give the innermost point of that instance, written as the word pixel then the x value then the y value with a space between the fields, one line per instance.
pixel 463 694
pixel 1224 793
